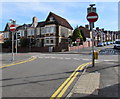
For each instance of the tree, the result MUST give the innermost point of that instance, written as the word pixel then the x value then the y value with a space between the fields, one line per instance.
pixel 84 38
pixel 76 34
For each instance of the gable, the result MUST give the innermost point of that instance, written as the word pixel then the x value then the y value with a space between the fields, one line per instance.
pixel 59 20
pixel 7 27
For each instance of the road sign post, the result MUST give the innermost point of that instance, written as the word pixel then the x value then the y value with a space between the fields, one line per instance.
pixel 12 29
pixel 92 17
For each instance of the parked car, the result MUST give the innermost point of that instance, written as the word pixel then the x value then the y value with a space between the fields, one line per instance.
pixel 100 44
pixel 113 42
pixel 117 44
pixel 107 43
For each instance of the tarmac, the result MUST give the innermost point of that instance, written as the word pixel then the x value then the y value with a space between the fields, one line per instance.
pixel 99 82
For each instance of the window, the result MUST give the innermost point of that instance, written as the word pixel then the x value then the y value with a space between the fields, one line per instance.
pixel 42 30
pixel 52 29
pixel 29 32
pixel 6 35
pixel 22 33
pixel 47 40
pixel 51 41
pixel 32 32
pixel 51 19
pixel 38 31
pixel 47 29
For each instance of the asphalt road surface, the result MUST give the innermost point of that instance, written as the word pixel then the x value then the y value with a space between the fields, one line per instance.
pixel 44 75
pixel 41 77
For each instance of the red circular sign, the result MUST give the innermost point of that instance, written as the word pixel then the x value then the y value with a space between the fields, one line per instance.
pixel 92 17
pixel 12 27
pixel 78 40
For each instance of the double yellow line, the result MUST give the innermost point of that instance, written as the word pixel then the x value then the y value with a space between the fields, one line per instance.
pixel 31 59
pixel 62 89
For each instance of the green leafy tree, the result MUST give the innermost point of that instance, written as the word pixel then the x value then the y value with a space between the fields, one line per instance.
pixel 84 38
pixel 76 34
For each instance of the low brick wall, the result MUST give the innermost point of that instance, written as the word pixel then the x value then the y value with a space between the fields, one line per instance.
pixel 85 44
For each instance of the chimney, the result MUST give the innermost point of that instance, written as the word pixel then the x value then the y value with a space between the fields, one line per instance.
pixel 102 29
pixel 97 28
pixel 87 26
pixel 34 20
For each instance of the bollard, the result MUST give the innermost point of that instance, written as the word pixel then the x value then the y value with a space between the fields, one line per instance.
pixel 95 55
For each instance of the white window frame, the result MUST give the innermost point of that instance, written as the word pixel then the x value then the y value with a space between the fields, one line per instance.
pixel 51 19
pixel 42 30
pixel 50 40
pixel 47 29
pixel 22 33
pixel 52 29
pixel 47 39
pixel 28 32
pixel 6 35
pixel 38 31
pixel 32 31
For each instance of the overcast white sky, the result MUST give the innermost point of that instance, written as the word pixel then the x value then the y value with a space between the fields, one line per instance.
pixel 74 12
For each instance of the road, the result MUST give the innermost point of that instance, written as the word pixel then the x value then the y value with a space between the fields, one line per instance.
pixel 44 75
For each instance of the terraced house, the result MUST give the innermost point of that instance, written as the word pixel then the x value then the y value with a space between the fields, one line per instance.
pixel 53 32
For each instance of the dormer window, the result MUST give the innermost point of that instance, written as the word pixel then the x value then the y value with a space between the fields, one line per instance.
pixel 51 19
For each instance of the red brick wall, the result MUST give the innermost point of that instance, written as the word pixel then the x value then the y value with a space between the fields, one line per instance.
pixel 85 44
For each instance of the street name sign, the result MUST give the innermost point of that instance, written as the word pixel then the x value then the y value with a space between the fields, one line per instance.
pixel 92 17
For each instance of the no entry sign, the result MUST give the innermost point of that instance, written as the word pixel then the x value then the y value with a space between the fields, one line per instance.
pixel 12 27
pixel 78 40
pixel 92 17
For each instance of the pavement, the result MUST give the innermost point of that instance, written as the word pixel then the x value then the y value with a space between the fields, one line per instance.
pixel 98 82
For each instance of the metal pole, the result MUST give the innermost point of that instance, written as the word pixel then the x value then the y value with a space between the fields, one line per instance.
pixel 12 46
pixel 91 28
pixel 16 42
pixel 93 61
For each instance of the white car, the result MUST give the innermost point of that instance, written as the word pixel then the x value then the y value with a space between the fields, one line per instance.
pixel 117 44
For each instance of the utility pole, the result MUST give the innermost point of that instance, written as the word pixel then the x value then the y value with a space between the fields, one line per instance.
pixel 92 17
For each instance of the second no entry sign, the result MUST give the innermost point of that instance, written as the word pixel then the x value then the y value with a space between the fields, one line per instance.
pixel 92 17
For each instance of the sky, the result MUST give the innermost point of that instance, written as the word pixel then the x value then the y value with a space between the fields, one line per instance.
pixel 74 12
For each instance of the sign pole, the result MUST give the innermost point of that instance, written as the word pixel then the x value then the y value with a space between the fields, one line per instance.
pixel 16 42
pixel 12 46
pixel 93 61
pixel 12 29
pixel 92 17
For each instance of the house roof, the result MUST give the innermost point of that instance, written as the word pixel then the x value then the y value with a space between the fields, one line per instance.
pixel 7 27
pixel 23 26
pixel 41 24
pixel 61 21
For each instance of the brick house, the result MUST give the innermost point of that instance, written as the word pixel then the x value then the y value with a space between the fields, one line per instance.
pixel 53 32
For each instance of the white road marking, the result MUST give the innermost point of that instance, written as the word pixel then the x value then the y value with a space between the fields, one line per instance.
pixel 40 57
pixel 67 58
